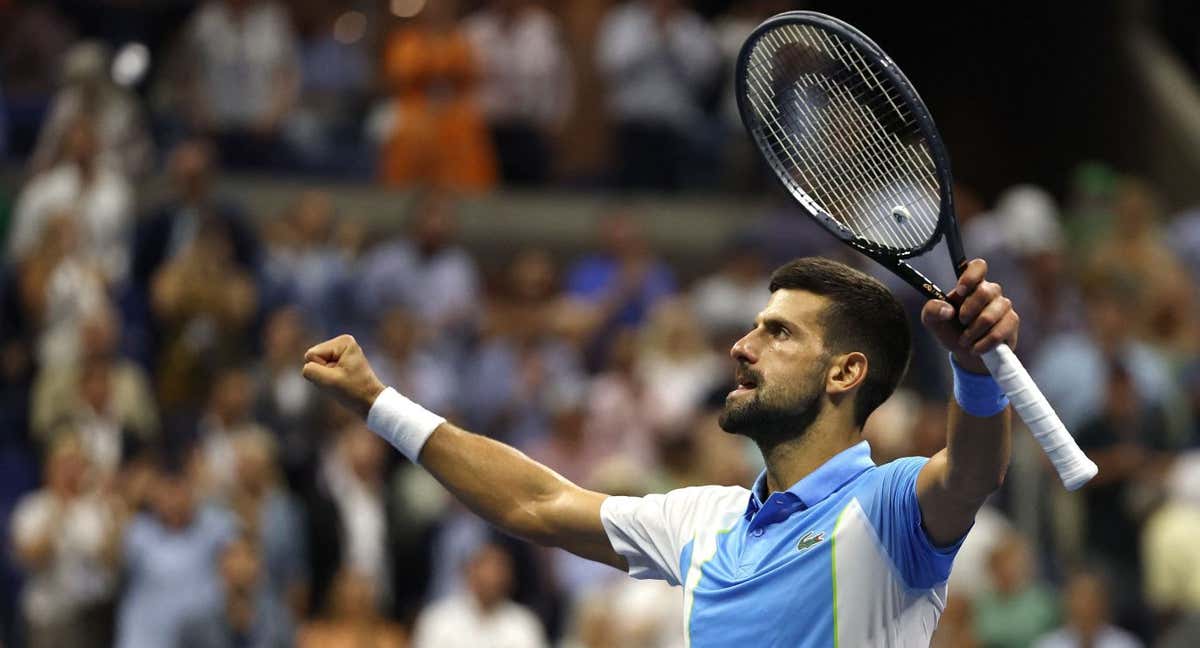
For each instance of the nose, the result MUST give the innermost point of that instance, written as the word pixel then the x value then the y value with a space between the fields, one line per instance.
pixel 742 351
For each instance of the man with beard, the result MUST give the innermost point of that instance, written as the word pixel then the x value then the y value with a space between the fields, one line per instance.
pixel 826 548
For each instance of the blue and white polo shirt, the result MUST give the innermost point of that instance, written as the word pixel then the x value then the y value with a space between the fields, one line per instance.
pixel 839 559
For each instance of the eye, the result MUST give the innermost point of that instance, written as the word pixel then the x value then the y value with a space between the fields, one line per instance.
pixel 778 331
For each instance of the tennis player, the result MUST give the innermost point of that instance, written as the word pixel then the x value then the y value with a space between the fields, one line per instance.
pixel 826 548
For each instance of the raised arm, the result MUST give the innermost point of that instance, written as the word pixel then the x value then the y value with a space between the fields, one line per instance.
pixel 957 480
pixel 497 482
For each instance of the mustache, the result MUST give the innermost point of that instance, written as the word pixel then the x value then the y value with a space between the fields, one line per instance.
pixel 744 374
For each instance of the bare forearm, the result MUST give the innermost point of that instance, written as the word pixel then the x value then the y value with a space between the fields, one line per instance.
pixel 977 453
pixel 497 482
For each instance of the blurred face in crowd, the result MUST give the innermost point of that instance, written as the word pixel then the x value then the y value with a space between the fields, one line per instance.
pixel 353 595
pixel 174 500
pixel 232 396
pixel 396 333
pixel 781 367
pixel 1136 209
pixel 80 147
pixel 255 462
pixel 490 575
pixel 532 275
pixel 621 237
pixel 240 566
pixel 1010 565
pixel 1108 320
pixel 313 216
pixel 66 468
pixel 98 335
pixel 1086 603
pixel 435 225
pixel 364 452
pixel 191 169
pixel 284 335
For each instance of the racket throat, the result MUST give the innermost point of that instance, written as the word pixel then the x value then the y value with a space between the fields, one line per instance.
pixel 914 278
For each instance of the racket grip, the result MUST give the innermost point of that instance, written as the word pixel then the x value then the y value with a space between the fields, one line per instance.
pixel 1073 466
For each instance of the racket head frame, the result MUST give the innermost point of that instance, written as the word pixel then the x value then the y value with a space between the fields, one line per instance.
pixel 947 225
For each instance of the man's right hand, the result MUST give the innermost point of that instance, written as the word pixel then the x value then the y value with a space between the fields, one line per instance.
pixel 340 369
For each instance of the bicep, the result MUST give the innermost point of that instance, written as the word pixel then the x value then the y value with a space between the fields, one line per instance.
pixel 946 516
pixel 575 525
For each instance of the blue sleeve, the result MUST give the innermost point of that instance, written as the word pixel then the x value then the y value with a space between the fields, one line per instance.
pixel 898 520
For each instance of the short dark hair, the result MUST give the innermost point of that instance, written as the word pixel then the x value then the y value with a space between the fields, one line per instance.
pixel 863 315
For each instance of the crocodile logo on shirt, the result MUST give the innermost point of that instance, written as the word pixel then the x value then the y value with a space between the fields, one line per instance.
pixel 808 540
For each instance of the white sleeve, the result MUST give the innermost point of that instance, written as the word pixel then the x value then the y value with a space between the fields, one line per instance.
pixel 651 531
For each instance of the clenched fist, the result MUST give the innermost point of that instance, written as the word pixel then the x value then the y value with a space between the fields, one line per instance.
pixel 340 369
pixel 985 318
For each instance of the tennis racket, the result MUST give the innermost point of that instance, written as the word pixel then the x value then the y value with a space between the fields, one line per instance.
pixel 850 139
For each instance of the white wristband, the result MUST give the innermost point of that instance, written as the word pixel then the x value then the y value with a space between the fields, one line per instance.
pixel 402 423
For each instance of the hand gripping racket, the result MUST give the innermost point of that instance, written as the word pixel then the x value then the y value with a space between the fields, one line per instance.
pixel 848 136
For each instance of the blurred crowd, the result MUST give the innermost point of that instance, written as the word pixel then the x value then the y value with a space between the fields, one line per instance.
pixel 464 95
pixel 167 478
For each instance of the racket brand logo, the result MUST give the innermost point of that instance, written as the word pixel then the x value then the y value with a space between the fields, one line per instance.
pixel 808 540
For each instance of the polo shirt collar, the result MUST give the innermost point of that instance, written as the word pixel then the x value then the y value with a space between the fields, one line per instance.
pixel 820 483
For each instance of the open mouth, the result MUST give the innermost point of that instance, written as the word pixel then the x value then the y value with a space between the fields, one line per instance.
pixel 745 383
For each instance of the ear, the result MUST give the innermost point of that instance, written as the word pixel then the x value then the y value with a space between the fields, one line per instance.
pixel 846 373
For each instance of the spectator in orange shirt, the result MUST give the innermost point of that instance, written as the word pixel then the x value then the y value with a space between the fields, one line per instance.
pixel 437 134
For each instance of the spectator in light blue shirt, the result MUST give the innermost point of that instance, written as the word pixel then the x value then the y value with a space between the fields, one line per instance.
pixel 170 562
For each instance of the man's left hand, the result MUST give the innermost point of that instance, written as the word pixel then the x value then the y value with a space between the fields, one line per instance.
pixel 985 318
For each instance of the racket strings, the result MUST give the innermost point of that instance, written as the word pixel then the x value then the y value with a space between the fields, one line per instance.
pixel 856 147
pixel 861 132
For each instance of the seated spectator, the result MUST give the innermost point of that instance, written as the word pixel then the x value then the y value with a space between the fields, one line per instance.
pixel 406 357
pixel 437 136
pixel 1127 438
pixel 620 283
pixel 355 619
pixel 286 404
pixel 97 197
pixel 727 299
pixel 675 364
pixel 1170 553
pixel 1085 600
pixel 618 409
pixel 627 612
pixel 204 304
pixel 171 553
pixel 521 356
pixel 168 229
pixel 272 520
pixel 304 264
pixel 525 86
pixel 660 59
pixel 429 273
pixel 226 418
pixel 243 77
pixel 248 614
pixel 88 91
pixel 105 397
pixel 1020 608
pixel 348 513
pixel 66 536
pixel 1031 264
pixel 57 289
pixel 1135 243
pixel 324 130
pixel 483 610
pixel 1072 368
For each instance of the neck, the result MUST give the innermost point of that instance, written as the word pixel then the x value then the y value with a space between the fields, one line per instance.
pixel 793 459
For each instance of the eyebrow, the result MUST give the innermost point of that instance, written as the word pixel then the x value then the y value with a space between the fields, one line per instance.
pixel 778 321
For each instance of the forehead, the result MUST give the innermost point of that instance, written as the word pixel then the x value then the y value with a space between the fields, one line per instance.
pixel 795 306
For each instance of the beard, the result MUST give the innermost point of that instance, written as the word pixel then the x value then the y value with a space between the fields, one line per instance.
pixel 774 414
